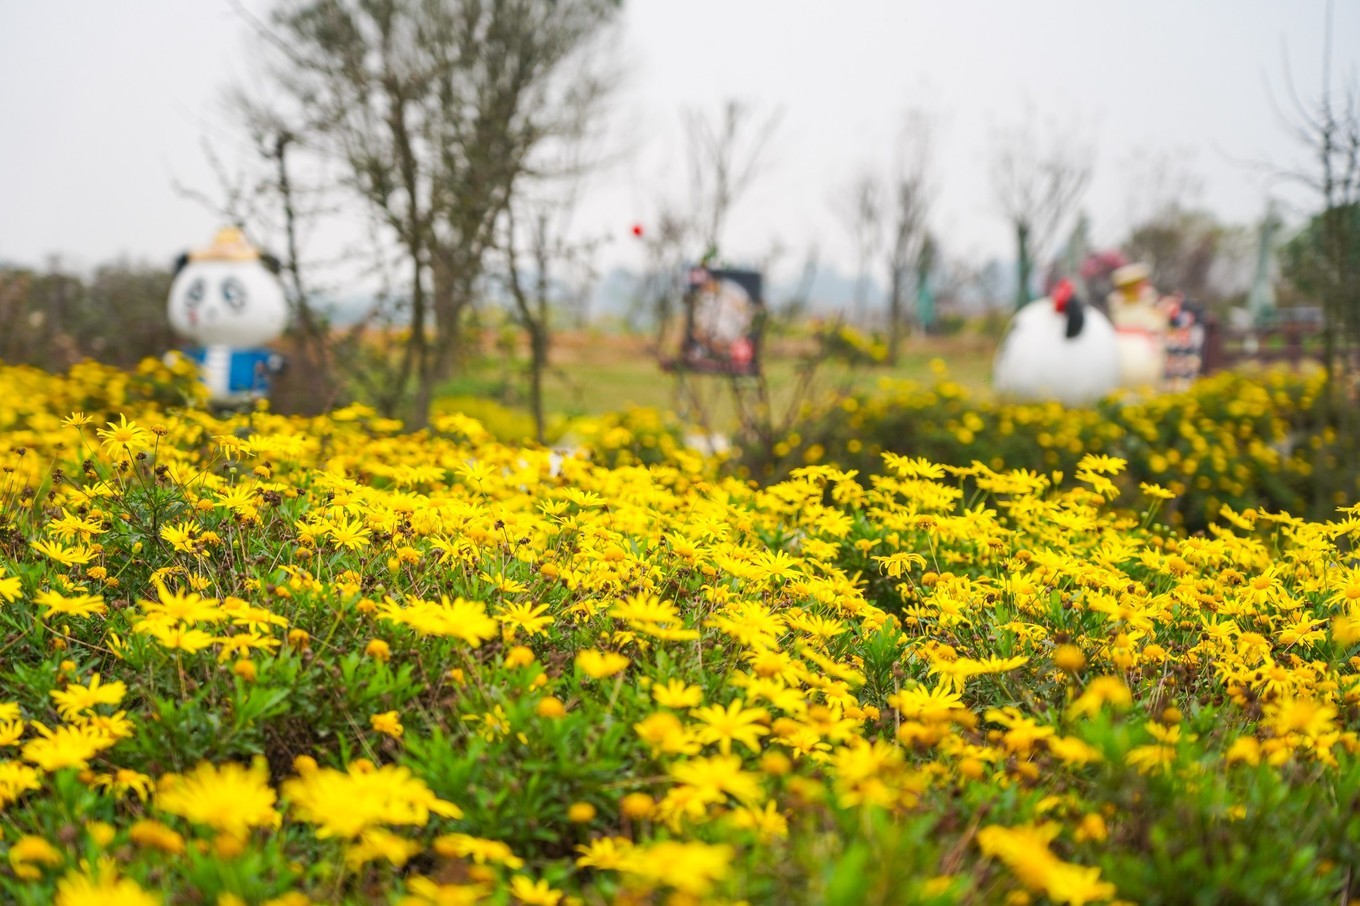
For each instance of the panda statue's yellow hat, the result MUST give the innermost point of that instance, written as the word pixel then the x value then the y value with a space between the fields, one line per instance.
pixel 229 244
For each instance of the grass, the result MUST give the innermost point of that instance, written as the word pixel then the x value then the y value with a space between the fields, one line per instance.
pixel 592 373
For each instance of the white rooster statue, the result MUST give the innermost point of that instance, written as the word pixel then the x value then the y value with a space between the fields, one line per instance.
pixel 1057 348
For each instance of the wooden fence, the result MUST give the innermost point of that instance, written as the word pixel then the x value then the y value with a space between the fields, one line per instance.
pixel 1288 342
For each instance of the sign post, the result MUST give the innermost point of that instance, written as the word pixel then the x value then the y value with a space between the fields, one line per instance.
pixel 724 318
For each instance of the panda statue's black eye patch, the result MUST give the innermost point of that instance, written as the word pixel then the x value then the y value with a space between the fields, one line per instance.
pixel 234 293
pixel 194 294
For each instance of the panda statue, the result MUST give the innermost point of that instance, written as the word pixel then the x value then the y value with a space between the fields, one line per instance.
pixel 1058 348
pixel 226 300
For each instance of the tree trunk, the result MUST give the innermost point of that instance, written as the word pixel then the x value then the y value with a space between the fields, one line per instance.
pixel 416 356
pixel 539 327
pixel 1024 264
pixel 1338 344
pixel 895 319
pixel 308 385
pixel 538 362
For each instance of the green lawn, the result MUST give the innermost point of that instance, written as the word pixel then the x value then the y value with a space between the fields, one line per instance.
pixel 594 373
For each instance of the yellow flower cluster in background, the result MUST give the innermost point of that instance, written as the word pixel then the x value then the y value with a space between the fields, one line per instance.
pixel 277 661
pixel 1236 438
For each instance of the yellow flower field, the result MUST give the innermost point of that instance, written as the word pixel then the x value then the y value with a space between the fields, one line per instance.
pixel 286 661
pixel 1234 438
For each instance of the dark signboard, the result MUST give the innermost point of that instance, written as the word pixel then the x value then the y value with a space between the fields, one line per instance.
pixel 724 315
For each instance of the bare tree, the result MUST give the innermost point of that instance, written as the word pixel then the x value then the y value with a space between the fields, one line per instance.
pixel 910 250
pixel 1180 247
pixel 796 302
pixel 563 272
pixel 436 108
pixel 1159 183
pixel 725 156
pixel 238 196
pixel 1327 256
pixel 1186 248
pixel 667 247
pixel 531 310
pixel 862 211
pixel 310 385
pixel 1037 180
pixel 885 211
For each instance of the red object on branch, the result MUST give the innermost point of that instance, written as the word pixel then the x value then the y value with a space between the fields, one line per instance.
pixel 637 230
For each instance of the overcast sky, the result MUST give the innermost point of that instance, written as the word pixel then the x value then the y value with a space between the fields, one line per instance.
pixel 105 106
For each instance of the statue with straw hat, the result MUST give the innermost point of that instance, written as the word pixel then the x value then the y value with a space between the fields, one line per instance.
pixel 226 299
pixel 1140 323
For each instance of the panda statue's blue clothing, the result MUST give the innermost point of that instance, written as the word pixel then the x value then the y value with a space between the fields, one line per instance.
pixel 236 375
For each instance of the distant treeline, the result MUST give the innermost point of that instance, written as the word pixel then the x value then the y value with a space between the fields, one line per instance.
pixel 52 318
